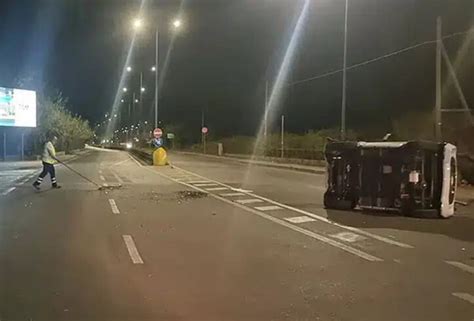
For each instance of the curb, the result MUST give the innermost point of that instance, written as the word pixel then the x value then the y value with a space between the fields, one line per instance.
pixel 312 170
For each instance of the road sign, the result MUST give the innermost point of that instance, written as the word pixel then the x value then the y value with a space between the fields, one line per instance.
pixel 157 132
pixel 170 136
pixel 204 130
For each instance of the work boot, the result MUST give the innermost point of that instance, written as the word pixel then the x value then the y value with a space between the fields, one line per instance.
pixel 36 186
pixel 56 186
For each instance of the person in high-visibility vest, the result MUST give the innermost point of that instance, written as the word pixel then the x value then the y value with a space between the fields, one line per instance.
pixel 49 159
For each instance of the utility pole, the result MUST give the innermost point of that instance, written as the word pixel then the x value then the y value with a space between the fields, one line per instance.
pixel 438 119
pixel 282 141
pixel 22 145
pixel 133 108
pixel 344 76
pixel 203 135
pixel 140 103
pixel 265 115
pixel 157 61
pixel 4 145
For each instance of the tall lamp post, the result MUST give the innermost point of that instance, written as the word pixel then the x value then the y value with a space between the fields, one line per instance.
pixel 344 76
pixel 137 25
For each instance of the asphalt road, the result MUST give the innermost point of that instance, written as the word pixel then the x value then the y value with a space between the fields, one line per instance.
pixel 218 240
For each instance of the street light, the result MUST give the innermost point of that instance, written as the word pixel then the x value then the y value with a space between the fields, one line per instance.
pixel 124 89
pixel 137 23
pixel 143 89
pixel 129 69
pixel 121 100
pixel 176 23
pixel 136 100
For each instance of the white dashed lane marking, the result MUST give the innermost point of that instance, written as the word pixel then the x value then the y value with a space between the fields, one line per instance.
pixel 268 208
pixel 132 249
pixel 299 219
pixel 464 296
pixel 114 206
pixel 462 266
pixel 198 182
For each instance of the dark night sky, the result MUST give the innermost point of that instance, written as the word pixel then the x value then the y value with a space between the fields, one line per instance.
pixel 226 51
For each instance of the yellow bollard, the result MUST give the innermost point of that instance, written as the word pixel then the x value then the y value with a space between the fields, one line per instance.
pixel 160 158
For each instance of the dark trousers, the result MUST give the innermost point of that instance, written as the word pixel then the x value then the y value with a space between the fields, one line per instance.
pixel 47 169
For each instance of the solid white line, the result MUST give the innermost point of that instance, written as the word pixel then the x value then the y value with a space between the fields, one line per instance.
pixel 11 189
pixel 249 201
pixel 121 162
pixel 216 189
pixel 299 219
pixel 268 208
pixel 465 296
pixel 206 185
pixel 135 160
pixel 313 235
pixel 114 206
pixel 318 217
pixel 102 177
pixel 117 177
pixel 132 249
pixel 198 182
pixel 232 194
pixel 462 266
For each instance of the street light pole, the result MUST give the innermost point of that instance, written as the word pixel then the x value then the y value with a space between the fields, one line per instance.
pixel 157 57
pixel 344 76
pixel 140 103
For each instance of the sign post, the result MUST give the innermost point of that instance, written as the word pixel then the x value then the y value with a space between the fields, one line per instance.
pixel 204 131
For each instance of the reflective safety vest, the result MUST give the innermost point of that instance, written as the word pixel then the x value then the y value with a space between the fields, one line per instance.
pixel 48 153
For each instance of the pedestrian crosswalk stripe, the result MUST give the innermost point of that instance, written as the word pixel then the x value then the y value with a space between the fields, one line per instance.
pixel 216 189
pixel 268 208
pixel 232 194
pixel 299 219
pixel 249 201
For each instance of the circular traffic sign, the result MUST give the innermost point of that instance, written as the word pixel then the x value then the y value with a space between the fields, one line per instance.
pixel 157 132
pixel 204 130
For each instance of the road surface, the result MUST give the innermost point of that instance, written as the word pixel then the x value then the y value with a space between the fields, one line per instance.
pixel 218 240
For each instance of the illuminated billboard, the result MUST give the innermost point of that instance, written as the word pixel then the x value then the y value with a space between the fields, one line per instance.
pixel 17 107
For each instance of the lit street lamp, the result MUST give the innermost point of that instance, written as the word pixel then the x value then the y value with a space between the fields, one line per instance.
pixel 129 69
pixel 137 24
pixel 177 23
pixel 125 89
